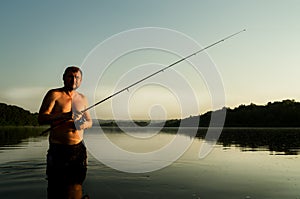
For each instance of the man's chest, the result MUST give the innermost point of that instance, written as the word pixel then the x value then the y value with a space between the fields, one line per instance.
pixel 63 104
pixel 66 104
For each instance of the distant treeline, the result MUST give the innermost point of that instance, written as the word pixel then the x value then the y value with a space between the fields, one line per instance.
pixel 275 114
pixel 16 116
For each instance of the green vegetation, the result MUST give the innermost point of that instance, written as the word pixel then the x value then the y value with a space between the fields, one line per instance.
pixel 16 116
pixel 277 114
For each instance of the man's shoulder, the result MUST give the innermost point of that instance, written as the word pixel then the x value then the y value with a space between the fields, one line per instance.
pixel 82 96
pixel 54 91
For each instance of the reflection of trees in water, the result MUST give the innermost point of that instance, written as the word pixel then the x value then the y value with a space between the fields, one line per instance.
pixel 278 140
pixel 15 135
pixel 275 140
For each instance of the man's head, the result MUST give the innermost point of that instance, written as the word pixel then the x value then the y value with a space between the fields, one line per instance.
pixel 72 77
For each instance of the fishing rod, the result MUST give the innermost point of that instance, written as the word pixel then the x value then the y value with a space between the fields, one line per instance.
pixel 161 70
pixel 147 77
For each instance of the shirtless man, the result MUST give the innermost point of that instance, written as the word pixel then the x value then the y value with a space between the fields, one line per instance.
pixel 66 158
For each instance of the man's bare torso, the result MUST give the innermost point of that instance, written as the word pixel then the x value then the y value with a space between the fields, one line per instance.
pixel 65 132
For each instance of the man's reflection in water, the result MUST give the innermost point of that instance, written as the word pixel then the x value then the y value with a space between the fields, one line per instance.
pixel 66 170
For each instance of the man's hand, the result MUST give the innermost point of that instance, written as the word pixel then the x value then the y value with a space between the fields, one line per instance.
pixel 79 120
pixel 77 115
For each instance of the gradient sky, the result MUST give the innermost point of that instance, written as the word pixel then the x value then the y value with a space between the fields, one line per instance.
pixel 40 38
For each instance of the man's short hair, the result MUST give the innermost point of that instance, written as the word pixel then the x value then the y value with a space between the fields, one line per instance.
pixel 73 69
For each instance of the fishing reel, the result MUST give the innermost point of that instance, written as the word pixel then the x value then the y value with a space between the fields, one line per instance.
pixel 79 122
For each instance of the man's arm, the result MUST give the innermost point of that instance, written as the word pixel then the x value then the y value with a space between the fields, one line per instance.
pixel 85 120
pixel 45 113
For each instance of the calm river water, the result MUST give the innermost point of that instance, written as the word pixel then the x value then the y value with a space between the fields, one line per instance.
pixel 245 163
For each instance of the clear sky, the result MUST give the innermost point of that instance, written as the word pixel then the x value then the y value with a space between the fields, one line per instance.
pixel 40 38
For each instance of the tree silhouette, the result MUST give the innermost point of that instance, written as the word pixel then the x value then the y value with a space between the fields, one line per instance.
pixel 16 116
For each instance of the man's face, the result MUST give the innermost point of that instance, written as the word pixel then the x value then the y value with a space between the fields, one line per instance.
pixel 72 80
